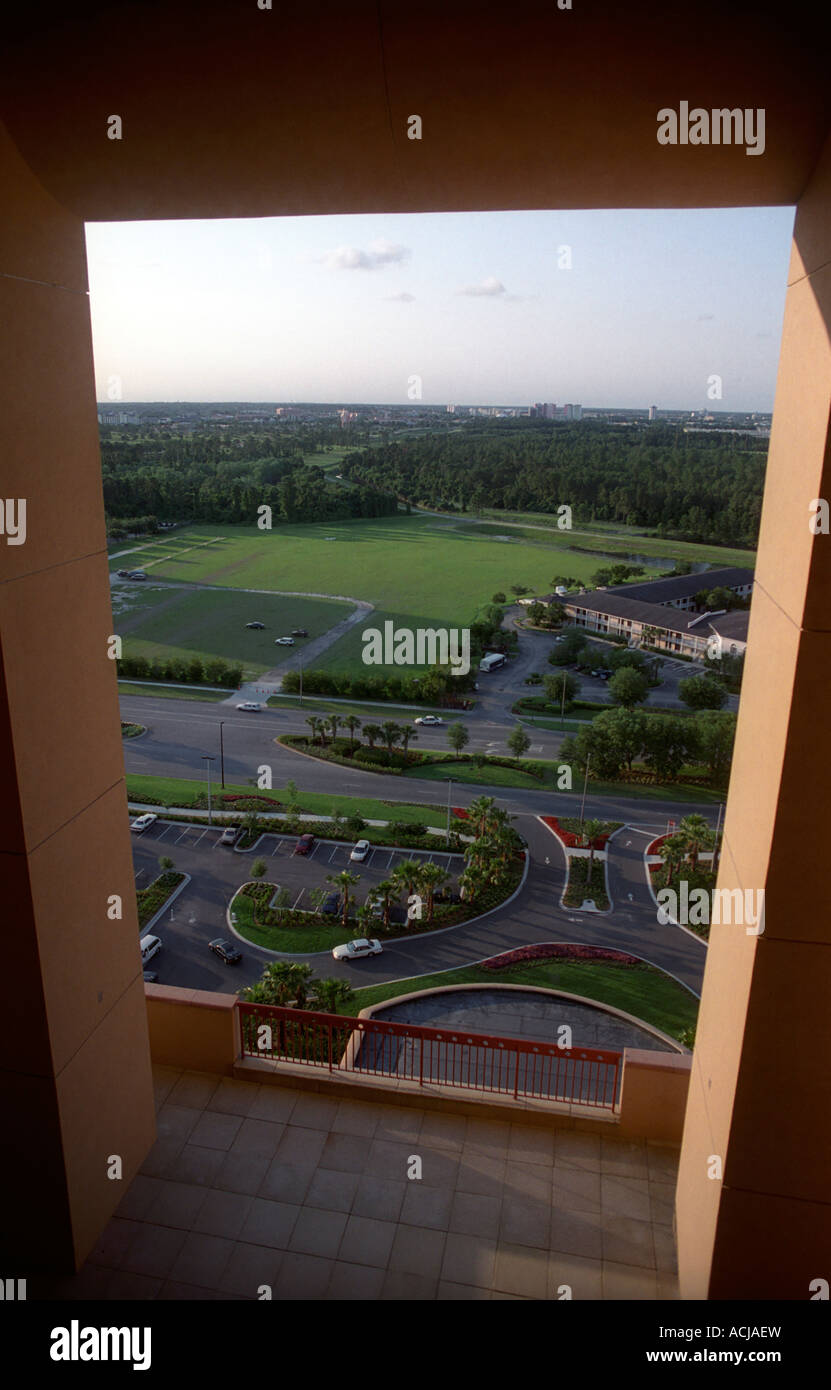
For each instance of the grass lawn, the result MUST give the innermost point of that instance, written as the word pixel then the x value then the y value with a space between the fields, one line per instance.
pixel 612 538
pixel 172 692
pixel 320 935
pixel 492 776
pixel 174 791
pixel 156 620
pixel 643 991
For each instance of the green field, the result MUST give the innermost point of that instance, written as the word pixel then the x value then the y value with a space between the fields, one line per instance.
pixel 172 692
pixel 418 571
pixel 158 620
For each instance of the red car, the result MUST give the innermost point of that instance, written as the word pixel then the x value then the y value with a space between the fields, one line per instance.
pixel 304 844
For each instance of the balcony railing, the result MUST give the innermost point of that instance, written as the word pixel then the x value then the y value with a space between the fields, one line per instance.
pixel 431 1056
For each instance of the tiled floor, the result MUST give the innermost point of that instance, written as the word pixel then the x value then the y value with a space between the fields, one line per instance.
pixel 253 1185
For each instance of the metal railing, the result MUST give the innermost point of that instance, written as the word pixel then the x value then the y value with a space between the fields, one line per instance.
pixel 431 1056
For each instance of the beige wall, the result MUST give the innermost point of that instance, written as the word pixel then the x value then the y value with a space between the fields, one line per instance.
pixel 760 1096
pixel 192 1028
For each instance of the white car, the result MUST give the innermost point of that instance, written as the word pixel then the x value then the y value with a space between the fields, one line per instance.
pixel 144 822
pixel 360 851
pixel 284 641
pixel 249 704
pixel 363 946
pixel 428 719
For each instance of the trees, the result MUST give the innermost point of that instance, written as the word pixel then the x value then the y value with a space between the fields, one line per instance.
pixel 591 830
pixel 316 726
pixel 695 836
pixel 328 995
pixel 372 733
pixel 702 692
pixel 457 736
pixel 407 735
pixel 555 685
pixel 344 881
pixel 668 743
pixel 716 734
pixel 352 723
pixel 518 741
pixel 498 598
pixel 569 647
pixel 390 732
pixel 628 687
pixel 672 853
pixel 258 868
pixel 432 876
pixel 626 730
pixel 282 981
pixel 385 894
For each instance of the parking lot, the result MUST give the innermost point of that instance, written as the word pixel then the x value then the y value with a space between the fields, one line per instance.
pixel 197 850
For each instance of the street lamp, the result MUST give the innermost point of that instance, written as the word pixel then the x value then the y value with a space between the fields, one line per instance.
pixel 585 784
pixel 222 752
pixel 209 758
pixel 449 798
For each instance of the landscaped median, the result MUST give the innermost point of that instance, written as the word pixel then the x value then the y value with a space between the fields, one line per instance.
pixel 584 844
pixel 596 973
pixel 152 899
pixel 432 767
pixel 294 932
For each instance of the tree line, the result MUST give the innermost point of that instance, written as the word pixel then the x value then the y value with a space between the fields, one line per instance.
pixel 708 490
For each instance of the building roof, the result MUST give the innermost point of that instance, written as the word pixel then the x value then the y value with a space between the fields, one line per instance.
pixel 683 585
pixel 733 624
pixel 650 614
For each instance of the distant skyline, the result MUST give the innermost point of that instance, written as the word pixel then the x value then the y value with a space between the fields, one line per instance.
pixel 481 307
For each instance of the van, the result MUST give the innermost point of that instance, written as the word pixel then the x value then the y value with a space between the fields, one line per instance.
pixel 150 947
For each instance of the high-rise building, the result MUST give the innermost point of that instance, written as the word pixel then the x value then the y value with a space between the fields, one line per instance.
pixel 653 412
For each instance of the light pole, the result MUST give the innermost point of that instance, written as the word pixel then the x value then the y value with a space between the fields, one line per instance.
pixel 301 684
pixel 563 705
pixel 449 797
pixel 222 752
pixel 585 784
pixel 209 758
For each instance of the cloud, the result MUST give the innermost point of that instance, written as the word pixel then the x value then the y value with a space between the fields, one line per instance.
pixel 702 318
pixel 380 253
pixel 402 298
pixel 489 286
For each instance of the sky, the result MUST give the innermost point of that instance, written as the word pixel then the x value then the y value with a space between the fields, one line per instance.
pixel 483 308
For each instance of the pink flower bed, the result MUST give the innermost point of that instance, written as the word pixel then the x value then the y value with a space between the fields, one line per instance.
pixel 559 950
pixel 655 845
pixel 460 812
pixel 569 839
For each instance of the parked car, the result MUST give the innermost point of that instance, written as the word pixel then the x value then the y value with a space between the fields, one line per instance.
pixel 150 947
pixel 360 851
pixel 136 574
pixel 284 641
pixel 304 845
pixel 229 836
pixel 250 705
pixel 428 719
pixel 300 632
pixel 331 903
pixel 150 977
pixel 255 625
pixel 226 950
pixel 122 574
pixel 362 946
pixel 144 822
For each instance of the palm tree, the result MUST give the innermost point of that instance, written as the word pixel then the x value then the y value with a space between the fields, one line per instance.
pixel 352 723
pixel 591 830
pixel 344 881
pixel 480 812
pixel 390 731
pixel 328 995
pixel 314 724
pixel 673 854
pixel 431 877
pixel 373 732
pixel 695 835
pixel 385 894
pixel 407 736
pixel 334 721
pixel 407 873
pixel 281 981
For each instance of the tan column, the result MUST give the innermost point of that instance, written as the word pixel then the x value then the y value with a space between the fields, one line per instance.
pixel 760 1092
pixel 75 1082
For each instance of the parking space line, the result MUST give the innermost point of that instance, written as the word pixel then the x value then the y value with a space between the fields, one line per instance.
pixel 183 834
pixel 276 848
pixel 334 852
pixel 165 831
pixel 201 838
pixel 297 900
pixel 389 861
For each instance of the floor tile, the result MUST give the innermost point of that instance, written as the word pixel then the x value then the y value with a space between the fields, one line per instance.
pixel 367 1241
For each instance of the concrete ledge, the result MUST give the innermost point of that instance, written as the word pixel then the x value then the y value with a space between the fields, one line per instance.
pixel 194 1029
pixel 653 1097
